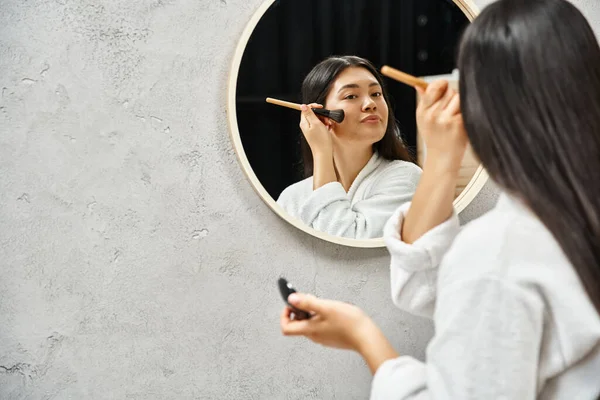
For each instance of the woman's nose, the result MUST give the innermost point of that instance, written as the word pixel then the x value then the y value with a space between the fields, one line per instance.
pixel 369 104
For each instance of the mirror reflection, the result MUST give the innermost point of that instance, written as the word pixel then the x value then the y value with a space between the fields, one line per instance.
pixel 345 178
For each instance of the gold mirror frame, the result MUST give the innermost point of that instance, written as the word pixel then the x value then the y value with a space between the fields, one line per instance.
pixel 460 203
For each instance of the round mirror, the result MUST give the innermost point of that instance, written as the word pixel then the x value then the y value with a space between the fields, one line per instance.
pixel 332 50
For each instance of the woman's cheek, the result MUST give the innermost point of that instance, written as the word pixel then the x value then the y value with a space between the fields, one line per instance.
pixel 347 117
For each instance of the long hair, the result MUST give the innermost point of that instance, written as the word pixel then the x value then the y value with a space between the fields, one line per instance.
pixel 316 87
pixel 530 99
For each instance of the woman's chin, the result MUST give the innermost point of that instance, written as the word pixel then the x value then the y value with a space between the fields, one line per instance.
pixel 365 136
pixel 374 136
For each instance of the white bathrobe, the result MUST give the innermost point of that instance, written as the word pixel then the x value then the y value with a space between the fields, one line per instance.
pixel 378 190
pixel 512 319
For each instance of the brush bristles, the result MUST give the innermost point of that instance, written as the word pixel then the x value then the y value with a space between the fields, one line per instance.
pixel 336 115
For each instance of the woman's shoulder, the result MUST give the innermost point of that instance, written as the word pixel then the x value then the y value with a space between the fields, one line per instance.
pixel 296 191
pixel 390 171
pixel 399 166
pixel 508 219
pixel 503 240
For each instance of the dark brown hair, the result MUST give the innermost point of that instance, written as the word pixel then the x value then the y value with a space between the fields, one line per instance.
pixel 530 99
pixel 316 87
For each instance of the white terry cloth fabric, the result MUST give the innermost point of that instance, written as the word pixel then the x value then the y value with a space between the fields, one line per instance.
pixel 512 319
pixel 378 190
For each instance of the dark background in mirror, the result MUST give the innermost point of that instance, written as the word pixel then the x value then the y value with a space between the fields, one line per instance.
pixel 416 36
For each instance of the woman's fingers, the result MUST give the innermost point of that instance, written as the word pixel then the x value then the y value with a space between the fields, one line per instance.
pixel 446 98
pixel 309 117
pixel 317 307
pixel 308 302
pixel 434 92
pixel 453 106
pixel 290 327
pixel 285 316
pixel 316 132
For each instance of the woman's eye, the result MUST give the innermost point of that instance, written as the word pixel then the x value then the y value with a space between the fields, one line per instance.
pixel 350 97
pixel 377 94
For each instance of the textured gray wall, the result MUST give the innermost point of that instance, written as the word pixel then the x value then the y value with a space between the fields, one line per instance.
pixel 137 262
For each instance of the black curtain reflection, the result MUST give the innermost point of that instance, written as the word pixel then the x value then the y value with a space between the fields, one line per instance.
pixel 416 36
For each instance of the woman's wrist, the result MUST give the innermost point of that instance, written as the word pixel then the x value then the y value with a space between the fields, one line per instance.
pixel 323 169
pixel 323 154
pixel 372 345
pixel 443 163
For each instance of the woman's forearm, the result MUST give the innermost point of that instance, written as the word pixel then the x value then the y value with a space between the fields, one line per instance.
pixel 432 203
pixel 375 348
pixel 323 169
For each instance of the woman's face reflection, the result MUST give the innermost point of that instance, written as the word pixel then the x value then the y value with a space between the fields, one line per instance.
pixel 357 92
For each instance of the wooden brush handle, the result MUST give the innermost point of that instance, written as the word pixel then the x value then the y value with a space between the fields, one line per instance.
pixel 403 77
pixel 284 103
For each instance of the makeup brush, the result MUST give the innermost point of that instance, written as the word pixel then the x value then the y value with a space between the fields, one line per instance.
pixel 403 77
pixel 336 115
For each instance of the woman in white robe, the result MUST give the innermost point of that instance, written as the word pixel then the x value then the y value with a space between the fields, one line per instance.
pixel 515 294
pixel 358 171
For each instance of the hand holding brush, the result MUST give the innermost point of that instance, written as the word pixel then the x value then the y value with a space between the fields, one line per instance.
pixel 439 120
pixel 335 115
pixel 319 137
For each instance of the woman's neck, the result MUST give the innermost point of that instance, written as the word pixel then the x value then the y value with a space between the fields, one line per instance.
pixel 349 161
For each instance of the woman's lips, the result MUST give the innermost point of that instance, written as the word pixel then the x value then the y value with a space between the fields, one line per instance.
pixel 372 119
